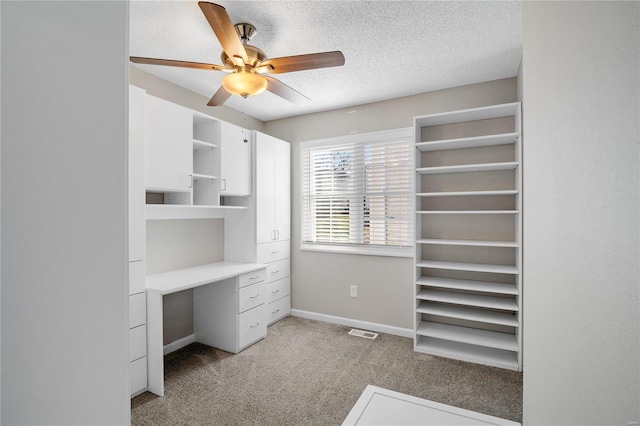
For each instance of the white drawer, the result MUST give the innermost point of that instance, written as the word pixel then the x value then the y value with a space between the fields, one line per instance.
pixel 137 342
pixel 278 289
pixel 252 326
pixel 138 375
pixel 270 252
pixel 278 270
pixel 279 309
pixel 136 277
pixel 252 277
pixel 137 310
pixel 252 296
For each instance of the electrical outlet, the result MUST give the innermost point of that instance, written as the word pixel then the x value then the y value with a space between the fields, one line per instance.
pixel 354 291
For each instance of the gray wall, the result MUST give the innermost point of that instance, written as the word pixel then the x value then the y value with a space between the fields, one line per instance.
pixel 320 281
pixel 64 213
pixel 581 193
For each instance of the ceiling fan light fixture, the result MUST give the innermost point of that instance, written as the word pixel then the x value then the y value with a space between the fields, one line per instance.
pixel 244 83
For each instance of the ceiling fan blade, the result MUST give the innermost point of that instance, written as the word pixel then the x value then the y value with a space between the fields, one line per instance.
pixel 302 62
pixel 279 88
pixel 172 63
pixel 219 98
pixel 223 29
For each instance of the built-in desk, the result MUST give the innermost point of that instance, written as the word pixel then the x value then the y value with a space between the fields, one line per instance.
pixel 229 309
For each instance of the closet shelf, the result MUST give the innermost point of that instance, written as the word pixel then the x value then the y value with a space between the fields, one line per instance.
pixel 179 211
pixel 472 114
pixel 197 176
pixel 472 336
pixel 481 301
pixel 467 212
pixel 465 352
pixel 471 142
pixel 202 144
pixel 466 168
pixel 462 266
pixel 470 285
pixel 470 314
pixel 470 243
pixel 468 193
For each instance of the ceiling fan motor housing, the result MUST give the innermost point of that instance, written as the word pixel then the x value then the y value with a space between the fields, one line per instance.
pixel 255 55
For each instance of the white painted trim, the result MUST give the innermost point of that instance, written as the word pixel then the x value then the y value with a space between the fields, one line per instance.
pixel 348 322
pixel 179 344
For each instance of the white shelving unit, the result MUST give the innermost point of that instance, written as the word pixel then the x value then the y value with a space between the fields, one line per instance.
pixel 195 188
pixel 468 287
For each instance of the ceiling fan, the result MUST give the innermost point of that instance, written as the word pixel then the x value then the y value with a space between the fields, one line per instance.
pixel 248 65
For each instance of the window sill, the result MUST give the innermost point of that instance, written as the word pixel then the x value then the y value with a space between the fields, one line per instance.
pixel 366 251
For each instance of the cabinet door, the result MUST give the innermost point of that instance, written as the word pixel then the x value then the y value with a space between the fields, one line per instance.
pixel 265 151
pixel 136 174
pixel 235 160
pixel 169 134
pixel 282 190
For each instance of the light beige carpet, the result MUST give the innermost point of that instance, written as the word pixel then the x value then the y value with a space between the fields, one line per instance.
pixel 311 373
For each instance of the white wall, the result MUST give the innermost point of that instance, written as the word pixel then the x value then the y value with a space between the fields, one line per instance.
pixel 320 281
pixel 581 193
pixel 64 213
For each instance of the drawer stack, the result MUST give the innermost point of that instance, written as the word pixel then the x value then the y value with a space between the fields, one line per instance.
pixel 232 327
pixel 137 327
pixel 276 256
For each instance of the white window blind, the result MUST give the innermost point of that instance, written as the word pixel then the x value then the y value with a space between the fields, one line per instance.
pixel 358 192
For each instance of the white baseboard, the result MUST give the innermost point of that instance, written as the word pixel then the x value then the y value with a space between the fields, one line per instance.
pixel 365 325
pixel 178 344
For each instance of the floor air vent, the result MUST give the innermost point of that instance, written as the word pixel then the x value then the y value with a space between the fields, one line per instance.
pixel 362 333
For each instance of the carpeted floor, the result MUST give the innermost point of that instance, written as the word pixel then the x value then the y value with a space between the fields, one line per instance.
pixel 311 373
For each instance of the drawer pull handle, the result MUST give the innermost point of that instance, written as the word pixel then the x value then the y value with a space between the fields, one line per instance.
pixel 253 297
pixel 254 278
pixel 276 271
pixel 276 311
pixel 275 252
pixel 255 325
pixel 275 291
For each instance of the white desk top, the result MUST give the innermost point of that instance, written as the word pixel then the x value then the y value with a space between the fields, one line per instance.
pixel 184 279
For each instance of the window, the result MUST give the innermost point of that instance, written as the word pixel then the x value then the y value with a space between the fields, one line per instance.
pixel 357 194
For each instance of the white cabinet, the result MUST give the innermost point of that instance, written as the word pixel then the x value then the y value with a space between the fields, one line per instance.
pixel 168 146
pixel 273 205
pixel 223 324
pixel 137 243
pixel 468 293
pixel 273 220
pixel 235 160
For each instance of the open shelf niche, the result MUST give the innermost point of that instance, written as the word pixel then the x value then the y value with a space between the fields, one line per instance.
pixel 468 285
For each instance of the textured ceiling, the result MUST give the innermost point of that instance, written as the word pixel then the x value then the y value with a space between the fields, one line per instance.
pixel 392 48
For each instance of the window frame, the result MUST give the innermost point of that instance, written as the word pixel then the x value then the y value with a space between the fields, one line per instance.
pixel 403 134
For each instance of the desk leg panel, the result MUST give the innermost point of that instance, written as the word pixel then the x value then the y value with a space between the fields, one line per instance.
pixel 155 354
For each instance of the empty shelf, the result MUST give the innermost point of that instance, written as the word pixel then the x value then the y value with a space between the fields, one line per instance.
pixel 471 142
pixel 468 193
pixel 469 353
pixel 473 336
pixel 472 114
pixel 462 266
pixel 467 212
pixel 470 314
pixel 466 168
pixel 482 301
pixel 472 243
pixel 202 144
pixel 197 176
pixel 480 286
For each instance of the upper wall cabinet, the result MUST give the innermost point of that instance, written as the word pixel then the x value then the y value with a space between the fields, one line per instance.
pixel 168 146
pixel 192 159
pixel 235 160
